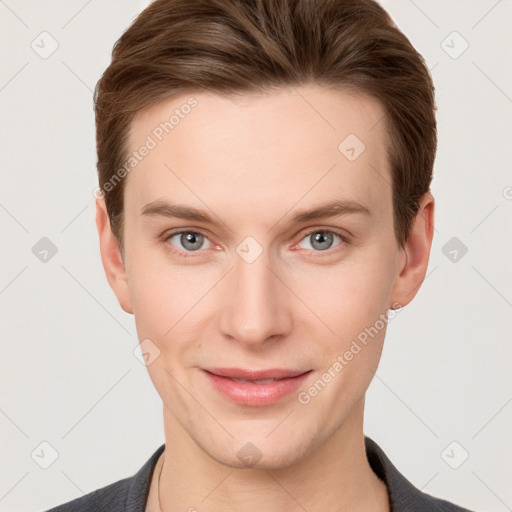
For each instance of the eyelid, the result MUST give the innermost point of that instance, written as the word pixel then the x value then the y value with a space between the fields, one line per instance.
pixel 169 234
pixel 345 239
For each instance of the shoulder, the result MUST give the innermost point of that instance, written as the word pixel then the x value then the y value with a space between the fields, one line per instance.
pixel 403 495
pixel 109 498
pixel 126 495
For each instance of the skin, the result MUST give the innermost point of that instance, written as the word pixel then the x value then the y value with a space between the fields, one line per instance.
pixel 252 162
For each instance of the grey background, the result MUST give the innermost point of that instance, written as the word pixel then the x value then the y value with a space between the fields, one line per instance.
pixel 69 376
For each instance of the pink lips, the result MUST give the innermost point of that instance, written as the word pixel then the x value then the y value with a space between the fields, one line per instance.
pixel 255 387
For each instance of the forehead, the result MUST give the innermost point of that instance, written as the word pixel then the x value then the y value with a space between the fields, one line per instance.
pixel 261 149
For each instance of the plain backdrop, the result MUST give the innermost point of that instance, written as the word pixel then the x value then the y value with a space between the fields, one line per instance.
pixel 71 384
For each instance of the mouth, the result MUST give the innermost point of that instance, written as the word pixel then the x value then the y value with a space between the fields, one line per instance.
pixel 255 387
pixel 255 375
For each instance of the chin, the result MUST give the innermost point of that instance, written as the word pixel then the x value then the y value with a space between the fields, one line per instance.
pixel 260 452
pixel 274 461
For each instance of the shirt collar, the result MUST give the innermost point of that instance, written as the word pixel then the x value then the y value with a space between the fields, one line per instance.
pixel 403 496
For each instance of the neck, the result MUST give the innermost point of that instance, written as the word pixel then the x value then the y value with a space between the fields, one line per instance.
pixel 334 476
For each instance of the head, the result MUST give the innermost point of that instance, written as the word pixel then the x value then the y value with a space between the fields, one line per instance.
pixel 230 121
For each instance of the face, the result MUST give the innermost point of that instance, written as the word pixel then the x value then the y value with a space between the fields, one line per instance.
pixel 241 277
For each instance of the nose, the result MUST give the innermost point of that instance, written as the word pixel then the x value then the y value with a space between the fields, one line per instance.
pixel 256 303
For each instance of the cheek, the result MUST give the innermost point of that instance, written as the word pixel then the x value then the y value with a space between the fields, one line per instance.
pixel 169 301
pixel 156 295
pixel 348 297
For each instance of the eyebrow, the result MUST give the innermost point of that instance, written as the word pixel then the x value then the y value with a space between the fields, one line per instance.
pixel 324 211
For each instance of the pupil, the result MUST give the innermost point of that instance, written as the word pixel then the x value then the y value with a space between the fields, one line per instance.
pixel 192 239
pixel 323 238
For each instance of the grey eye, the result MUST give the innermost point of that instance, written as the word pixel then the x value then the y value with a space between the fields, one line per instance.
pixel 189 240
pixel 321 240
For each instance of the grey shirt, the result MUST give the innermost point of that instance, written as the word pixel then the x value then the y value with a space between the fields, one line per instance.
pixel 131 494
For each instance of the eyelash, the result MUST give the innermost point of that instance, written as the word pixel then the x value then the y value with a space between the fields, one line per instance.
pixel 189 254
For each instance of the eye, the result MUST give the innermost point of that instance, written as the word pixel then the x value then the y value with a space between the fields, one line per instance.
pixel 190 241
pixel 322 239
pixel 186 242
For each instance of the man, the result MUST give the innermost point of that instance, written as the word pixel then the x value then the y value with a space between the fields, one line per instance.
pixel 264 203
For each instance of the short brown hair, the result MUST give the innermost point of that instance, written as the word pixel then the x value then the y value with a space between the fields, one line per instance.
pixel 244 46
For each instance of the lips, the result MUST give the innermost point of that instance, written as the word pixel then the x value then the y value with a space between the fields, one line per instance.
pixel 263 381
pixel 256 376
pixel 256 388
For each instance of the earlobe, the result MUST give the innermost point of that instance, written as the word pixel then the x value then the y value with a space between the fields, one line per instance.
pixel 111 257
pixel 415 254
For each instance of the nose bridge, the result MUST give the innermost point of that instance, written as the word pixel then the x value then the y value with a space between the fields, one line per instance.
pixel 255 308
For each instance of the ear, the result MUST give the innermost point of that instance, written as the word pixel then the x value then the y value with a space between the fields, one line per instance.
pixel 112 258
pixel 415 253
